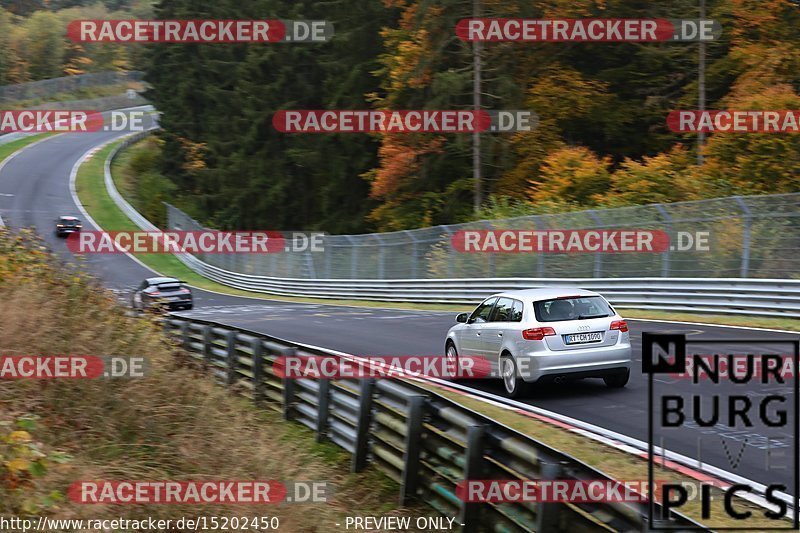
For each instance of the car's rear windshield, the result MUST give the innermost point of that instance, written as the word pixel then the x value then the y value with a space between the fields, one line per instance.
pixel 579 308
pixel 69 222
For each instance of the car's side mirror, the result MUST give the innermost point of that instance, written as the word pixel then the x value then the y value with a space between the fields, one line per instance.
pixel 462 317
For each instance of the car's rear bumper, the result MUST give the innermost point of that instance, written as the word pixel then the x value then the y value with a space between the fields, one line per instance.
pixel 594 362
pixel 171 304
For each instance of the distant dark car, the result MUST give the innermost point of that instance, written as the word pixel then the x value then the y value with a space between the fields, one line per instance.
pixel 167 293
pixel 66 225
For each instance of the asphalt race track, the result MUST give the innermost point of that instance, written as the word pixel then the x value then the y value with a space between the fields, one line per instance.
pixel 34 190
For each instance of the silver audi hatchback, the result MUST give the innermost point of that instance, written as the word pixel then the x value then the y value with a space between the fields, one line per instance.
pixel 534 335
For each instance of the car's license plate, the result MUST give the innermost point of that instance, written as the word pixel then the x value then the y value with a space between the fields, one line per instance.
pixel 581 338
pixel 173 298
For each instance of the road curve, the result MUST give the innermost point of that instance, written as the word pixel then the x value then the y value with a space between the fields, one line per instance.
pixel 34 190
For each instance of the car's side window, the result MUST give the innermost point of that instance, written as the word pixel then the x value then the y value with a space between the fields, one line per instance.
pixel 481 314
pixel 516 312
pixel 143 286
pixel 503 310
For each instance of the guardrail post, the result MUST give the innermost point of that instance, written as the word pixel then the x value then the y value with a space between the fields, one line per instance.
pixel 381 257
pixel 744 269
pixel 361 448
pixel 288 386
pixel 327 253
pixel 232 359
pixel 469 514
pixel 258 371
pixel 451 255
pixel 414 253
pixel 207 354
pixel 665 254
pixel 185 335
pixel 548 517
pixel 312 273
pixel 539 255
pixel 413 444
pixel 492 257
pixel 598 257
pixel 353 257
pixel 323 403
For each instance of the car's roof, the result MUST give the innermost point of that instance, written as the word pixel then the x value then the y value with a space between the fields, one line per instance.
pixel 157 281
pixel 546 293
pixel 67 217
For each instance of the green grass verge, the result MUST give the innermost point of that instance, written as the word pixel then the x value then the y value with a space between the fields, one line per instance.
pixel 789 324
pixel 92 192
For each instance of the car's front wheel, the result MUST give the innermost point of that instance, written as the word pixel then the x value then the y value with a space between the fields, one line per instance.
pixel 617 381
pixel 513 383
pixel 451 361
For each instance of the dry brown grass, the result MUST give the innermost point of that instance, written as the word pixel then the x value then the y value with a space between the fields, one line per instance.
pixel 175 424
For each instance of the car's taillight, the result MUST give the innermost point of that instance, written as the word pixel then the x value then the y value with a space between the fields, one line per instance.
pixel 620 325
pixel 537 334
pixel 185 291
pixel 155 293
pixel 59 225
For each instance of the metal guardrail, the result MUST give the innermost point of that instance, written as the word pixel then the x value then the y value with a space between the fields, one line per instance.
pixel 775 298
pixel 65 84
pixel 424 441
pixel 730 296
pixel 101 103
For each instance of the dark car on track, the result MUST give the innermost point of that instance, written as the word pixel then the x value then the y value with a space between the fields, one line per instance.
pixel 66 225
pixel 166 293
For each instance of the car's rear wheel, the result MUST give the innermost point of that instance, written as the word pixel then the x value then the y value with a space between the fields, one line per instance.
pixel 617 381
pixel 513 383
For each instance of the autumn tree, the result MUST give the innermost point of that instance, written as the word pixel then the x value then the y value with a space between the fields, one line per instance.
pixel 571 176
